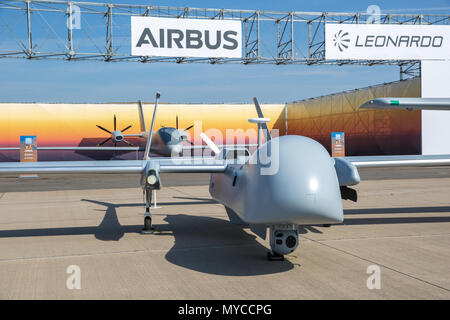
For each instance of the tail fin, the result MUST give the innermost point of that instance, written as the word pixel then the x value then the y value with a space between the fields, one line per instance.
pixel 266 131
pixel 150 133
pixel 141 117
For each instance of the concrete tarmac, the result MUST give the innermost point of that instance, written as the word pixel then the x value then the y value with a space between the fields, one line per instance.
pixel 54 182
pixel 401 226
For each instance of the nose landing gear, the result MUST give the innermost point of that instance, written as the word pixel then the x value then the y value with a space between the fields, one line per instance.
pixel 148 229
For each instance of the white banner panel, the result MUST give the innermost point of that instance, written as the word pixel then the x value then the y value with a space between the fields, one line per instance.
pixel 170 37
pixel 386 41
pixel 435 123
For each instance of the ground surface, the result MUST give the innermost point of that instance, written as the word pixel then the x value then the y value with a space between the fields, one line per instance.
pixel 401 225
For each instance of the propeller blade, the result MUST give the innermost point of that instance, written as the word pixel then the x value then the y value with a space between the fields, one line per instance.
pixel 127 142
pixel 177 122
pixel 103 129
pixel 100 144
pixel 115 122
pixel 123 130
pixel 188 128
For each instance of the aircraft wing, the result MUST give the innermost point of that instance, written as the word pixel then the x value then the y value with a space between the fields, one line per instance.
pixel 400 161
pixel 221 146
pixel 347 167
pixel 181 165
pixel 190 165
pixel 408 103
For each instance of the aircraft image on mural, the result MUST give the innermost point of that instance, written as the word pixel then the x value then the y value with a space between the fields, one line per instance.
pixel 166 141
pixel 286 182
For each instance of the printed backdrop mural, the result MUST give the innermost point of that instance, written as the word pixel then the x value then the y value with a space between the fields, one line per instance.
pixel 367 132
pixel 75 124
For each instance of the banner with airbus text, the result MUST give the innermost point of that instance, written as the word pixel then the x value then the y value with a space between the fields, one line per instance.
pixel 387 42
pixel 170 37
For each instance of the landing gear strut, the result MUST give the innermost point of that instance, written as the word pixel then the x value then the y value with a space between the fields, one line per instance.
pixel 273 256
pixel 148 229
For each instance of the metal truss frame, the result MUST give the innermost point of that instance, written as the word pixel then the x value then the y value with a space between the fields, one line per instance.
pixel 271 37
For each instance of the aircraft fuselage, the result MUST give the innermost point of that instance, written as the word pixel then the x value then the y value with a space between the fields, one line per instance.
pixel 298 186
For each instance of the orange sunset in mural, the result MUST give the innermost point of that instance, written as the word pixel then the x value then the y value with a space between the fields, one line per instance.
pixel 73 125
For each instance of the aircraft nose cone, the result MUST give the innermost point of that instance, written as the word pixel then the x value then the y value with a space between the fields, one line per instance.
pixel 176 148
pixel 304 189
pixel 117 136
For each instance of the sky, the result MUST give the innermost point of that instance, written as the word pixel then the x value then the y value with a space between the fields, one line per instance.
pixel 64 81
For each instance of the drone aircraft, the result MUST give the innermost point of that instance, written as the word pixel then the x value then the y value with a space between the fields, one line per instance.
pixel 287 182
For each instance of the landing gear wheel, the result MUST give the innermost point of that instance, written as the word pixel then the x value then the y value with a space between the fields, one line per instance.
pixel 147 223
pixel 274 256
pixel 147 226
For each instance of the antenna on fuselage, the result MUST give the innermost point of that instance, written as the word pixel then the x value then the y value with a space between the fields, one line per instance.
pixel 262 123
pixel 141 117
pixel 150 134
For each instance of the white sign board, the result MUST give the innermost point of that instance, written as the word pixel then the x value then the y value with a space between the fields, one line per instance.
pixel 170 37
pixel 386 42
pixel 435 78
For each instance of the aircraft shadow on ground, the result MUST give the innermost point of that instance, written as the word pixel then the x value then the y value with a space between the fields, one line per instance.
pixel 109 229
pixel 394 220
pixel 213 245
pixel 204 244
pixel 397 210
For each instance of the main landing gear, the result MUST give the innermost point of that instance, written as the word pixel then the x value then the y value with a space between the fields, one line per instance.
pixel 283 240
pixel 148 229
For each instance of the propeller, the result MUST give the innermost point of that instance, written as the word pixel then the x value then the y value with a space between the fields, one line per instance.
pixel 186 129
pixel 116 135
pixel 183 134
pixel 176 125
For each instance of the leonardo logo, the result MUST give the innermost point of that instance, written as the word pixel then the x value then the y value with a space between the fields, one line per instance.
pixel 358 41
pixel 341 40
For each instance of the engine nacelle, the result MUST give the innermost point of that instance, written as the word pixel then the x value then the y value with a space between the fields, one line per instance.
pixel 117 136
